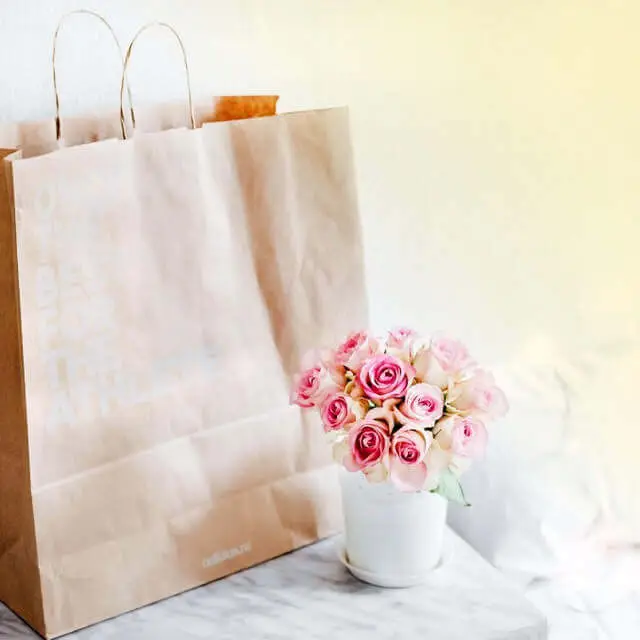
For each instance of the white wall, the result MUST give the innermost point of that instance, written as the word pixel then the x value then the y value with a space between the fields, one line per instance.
pixel 498 156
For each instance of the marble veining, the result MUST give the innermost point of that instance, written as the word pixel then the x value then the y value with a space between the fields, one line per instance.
pixel 308 594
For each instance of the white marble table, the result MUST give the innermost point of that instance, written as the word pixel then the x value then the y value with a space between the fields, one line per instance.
pixel 308 594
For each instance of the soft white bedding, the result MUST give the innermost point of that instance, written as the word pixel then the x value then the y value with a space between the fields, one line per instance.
pixel 570 617
pixel 551 508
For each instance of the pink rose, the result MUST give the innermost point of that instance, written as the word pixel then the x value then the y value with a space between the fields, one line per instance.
pixel 385 376
pixel 368 445
pixel 463 436
pixel 423 405
pixel 306 387
pixel 407 469
pixel 355 350
pixel 311 386
pixel 336 412
pixel 353 342
pixel 479 396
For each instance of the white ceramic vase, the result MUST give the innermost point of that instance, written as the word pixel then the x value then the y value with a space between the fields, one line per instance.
pixel 391 538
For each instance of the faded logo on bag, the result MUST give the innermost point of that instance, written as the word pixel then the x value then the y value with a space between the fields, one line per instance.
pixel 227 554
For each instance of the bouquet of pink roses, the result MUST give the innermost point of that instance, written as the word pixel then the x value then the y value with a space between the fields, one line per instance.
pixel 402 408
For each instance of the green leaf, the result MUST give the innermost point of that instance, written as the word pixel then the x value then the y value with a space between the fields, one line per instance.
pixel 450 489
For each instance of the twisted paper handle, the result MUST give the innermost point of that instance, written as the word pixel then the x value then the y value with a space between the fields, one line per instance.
pixel 123 82
pixel 53 63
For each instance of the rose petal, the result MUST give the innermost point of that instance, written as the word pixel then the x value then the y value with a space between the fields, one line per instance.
pixel 400 417
pixel 452 355
pixel 478 395
pixel 403 353
pixel 443 437
pixel 459 465
pixel 350 463
pixel 500 406
pixel 311 358
pixel 475 447
pixel 385 412
pixel 341 450
pixel 437 458
pixel 377 473
pixel 381 414
pixel 428 369
pixel 432 481
pixel 354 390
pixel 455 390
pixel 407 477
pixel 360 407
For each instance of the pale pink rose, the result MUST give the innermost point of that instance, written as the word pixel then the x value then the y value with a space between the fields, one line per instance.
pixel 332 373
pixel 478 396
pixel 341 449
pixel 351 345
pixel 377 473
pixel 429 370
pixel 451 354
pixel 407 469
pixel 385 376
pixel 368 445
pixel 401 337
pixel 442 363
pixel 336 412
pixel 463 436
pixel 336 372
pixel 357 348
pixel 386 412
pixel 423 405
pixel 354 390
pixel 438 459
pixel 311 386
pixel 306 387
pixel 401 343
pixel 359 407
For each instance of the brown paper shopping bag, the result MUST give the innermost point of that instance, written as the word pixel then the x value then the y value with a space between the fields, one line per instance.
pixel 156 295
pixel 39 137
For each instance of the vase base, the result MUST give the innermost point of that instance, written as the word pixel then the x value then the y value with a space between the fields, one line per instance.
pixel 387 581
